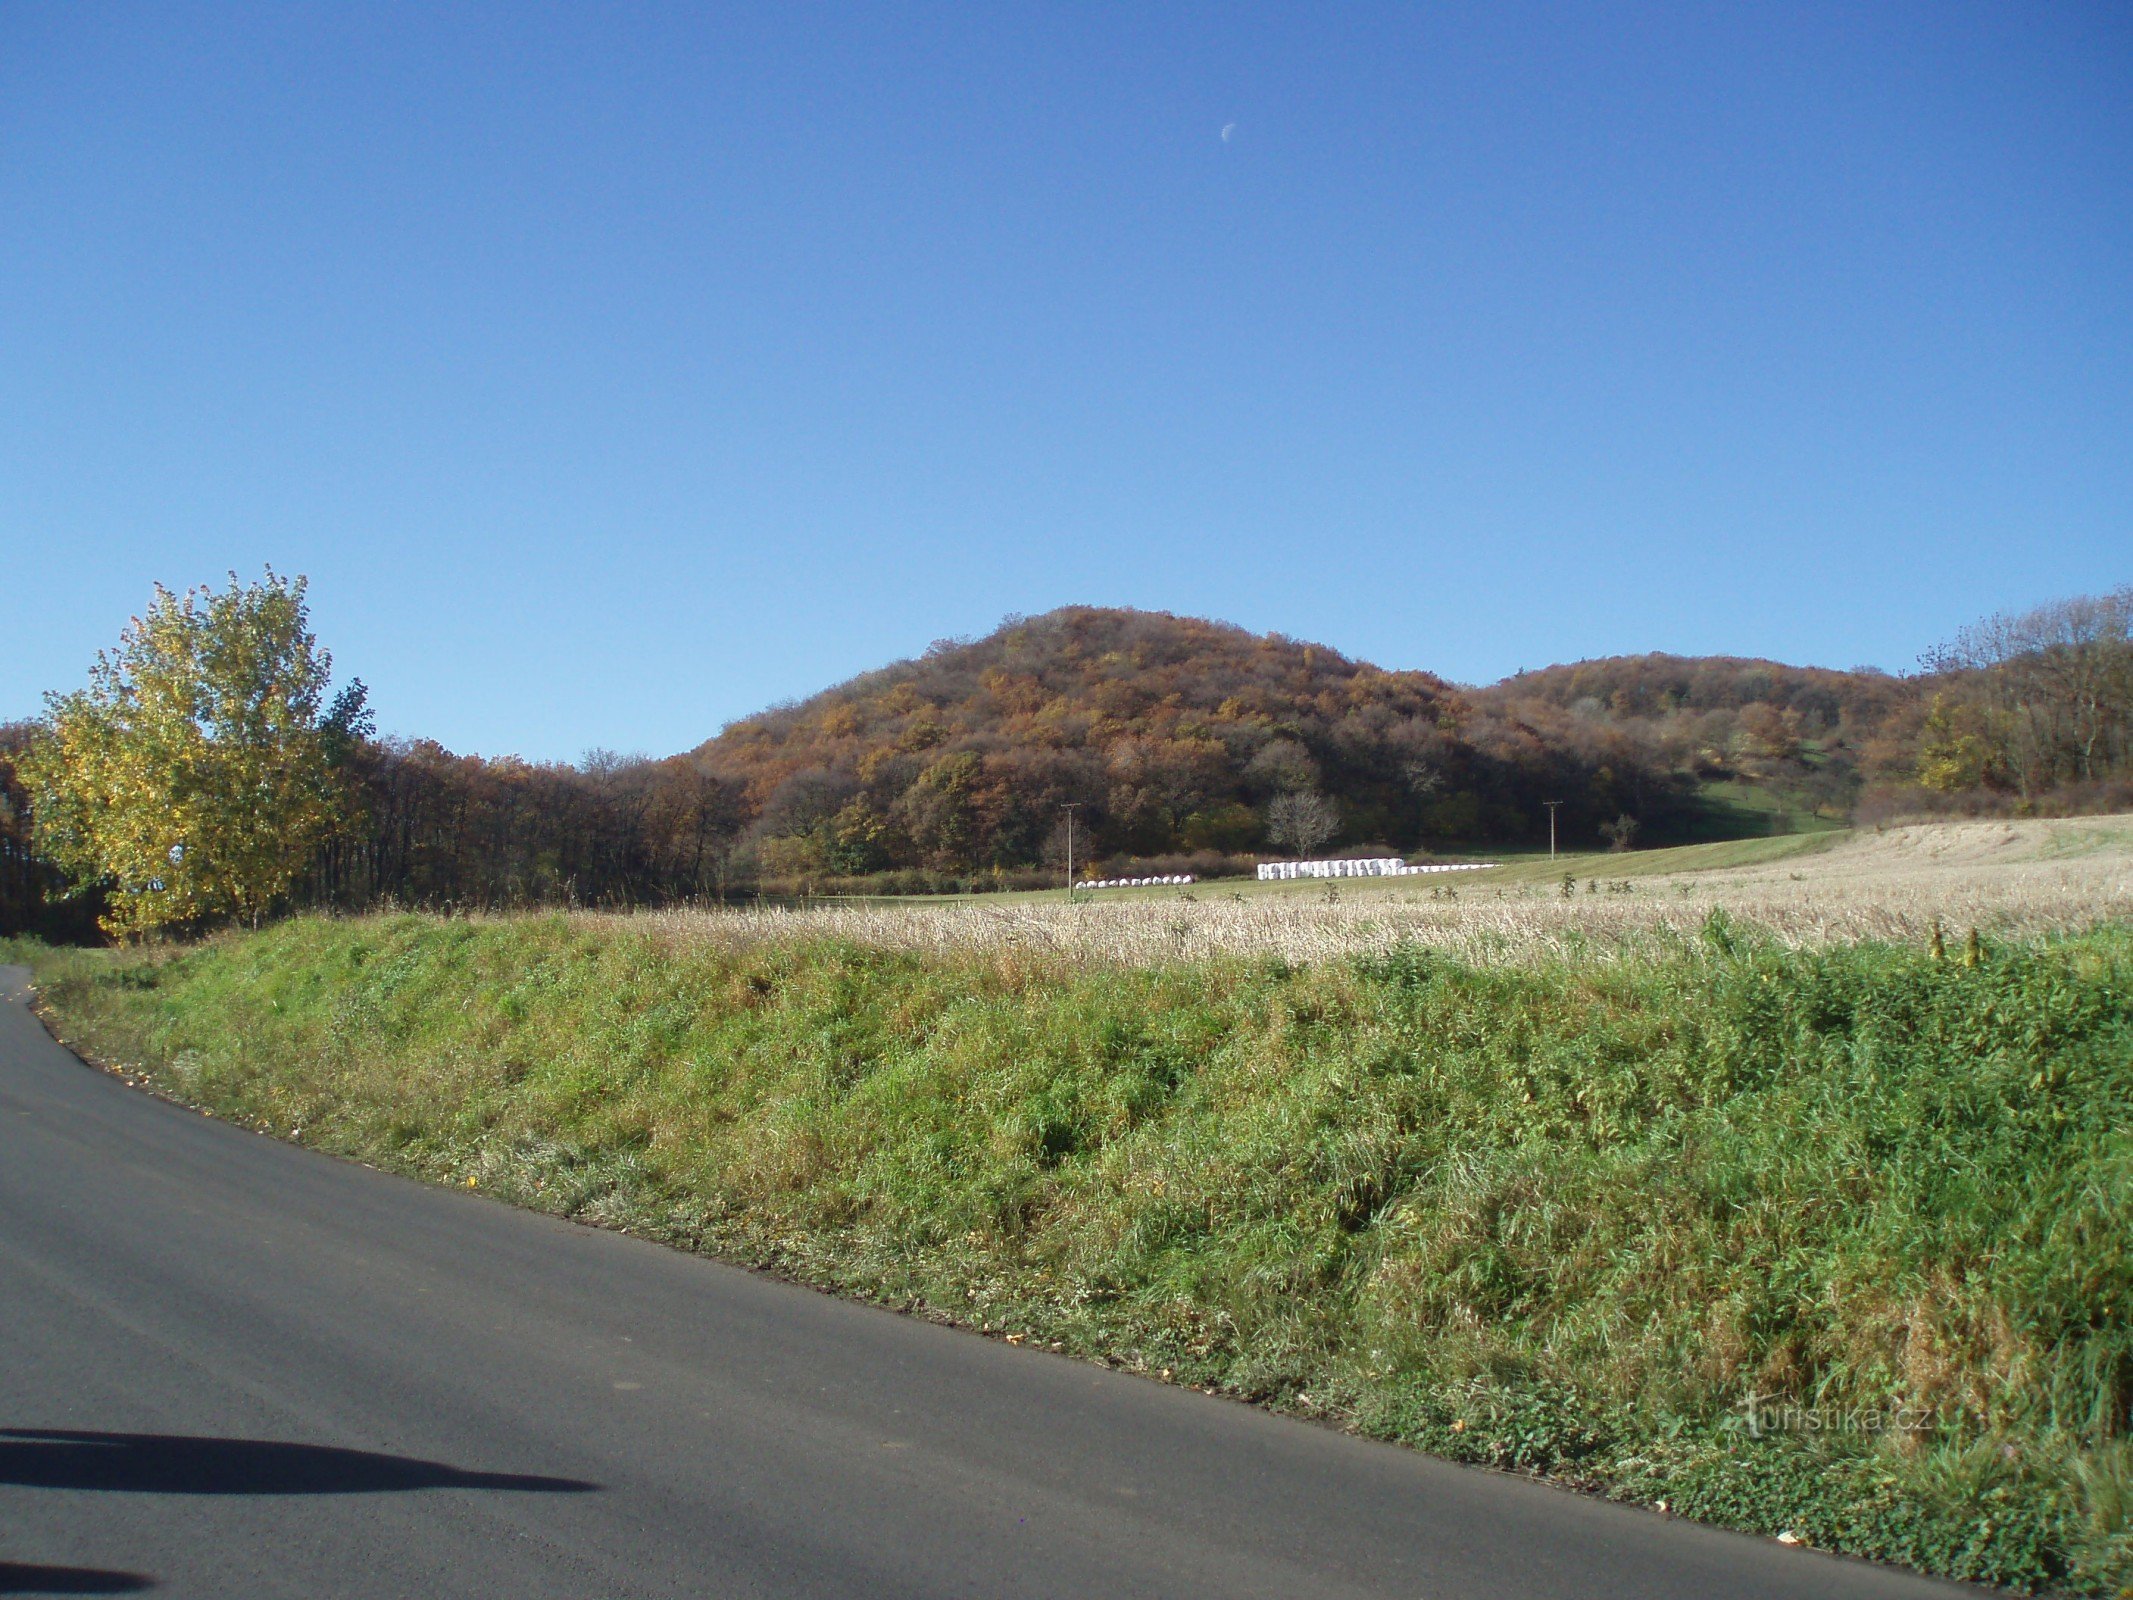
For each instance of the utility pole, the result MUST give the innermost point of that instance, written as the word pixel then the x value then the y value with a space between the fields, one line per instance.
pixel 1551 805
pixel 1070 810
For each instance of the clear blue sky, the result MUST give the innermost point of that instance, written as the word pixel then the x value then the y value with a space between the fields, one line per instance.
pixel 614 370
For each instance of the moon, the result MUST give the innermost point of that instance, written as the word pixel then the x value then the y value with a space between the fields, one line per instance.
pixel 1228 128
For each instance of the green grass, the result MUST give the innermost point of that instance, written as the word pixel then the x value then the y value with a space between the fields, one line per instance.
pixel 1556 1219
pixel 1738 806
pixel 1536 867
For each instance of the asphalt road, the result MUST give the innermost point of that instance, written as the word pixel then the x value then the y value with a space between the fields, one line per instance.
pixel 230 1367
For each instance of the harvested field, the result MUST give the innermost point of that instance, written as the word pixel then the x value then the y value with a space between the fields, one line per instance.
pixel 2004 879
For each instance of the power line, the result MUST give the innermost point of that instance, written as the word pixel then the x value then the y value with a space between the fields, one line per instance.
pixel 1070 809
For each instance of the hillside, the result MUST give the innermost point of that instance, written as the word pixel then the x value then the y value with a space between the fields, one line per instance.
pixel 1771 747
pixel 2017 714
pixel 1171 734
pixel 1200 742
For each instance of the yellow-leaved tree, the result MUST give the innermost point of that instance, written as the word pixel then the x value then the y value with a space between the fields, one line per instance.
pixel 194 776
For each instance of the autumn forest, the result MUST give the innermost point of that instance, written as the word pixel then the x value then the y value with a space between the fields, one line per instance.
pixel 1188 745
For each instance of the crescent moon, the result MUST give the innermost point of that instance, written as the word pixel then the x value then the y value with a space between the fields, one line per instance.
pixel 1228 128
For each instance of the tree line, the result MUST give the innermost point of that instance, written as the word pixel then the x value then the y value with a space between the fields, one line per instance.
pixel 2023 713
pixel 206 773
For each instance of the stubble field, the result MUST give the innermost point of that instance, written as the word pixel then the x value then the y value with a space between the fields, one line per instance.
pixel 2005 879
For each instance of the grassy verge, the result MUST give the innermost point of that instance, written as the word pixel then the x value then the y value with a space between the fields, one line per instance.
pixel 1564 1218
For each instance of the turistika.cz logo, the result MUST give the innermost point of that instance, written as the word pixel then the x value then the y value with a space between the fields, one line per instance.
pixel 1772 1413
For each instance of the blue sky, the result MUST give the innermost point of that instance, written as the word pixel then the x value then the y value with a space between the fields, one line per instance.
pixel 613 371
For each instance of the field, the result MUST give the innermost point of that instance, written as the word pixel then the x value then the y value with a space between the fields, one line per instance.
pixel 1729 1192
pixel 2004 879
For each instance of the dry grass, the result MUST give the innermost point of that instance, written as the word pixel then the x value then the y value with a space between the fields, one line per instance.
pixel 2005 879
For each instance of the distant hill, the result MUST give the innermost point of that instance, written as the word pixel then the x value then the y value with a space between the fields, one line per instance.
pixel 1658 685
pixel 1171 734
pixel 1769 746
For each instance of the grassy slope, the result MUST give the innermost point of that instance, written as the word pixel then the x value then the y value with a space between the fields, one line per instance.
pixel 1662 863
pixel 1557 1220
pixel 1742 806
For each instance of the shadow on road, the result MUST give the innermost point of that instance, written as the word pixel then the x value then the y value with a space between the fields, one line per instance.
pixel 155 1463
pixel 20 1578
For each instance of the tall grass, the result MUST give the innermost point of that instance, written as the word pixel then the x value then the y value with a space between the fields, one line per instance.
pixel 1827 1239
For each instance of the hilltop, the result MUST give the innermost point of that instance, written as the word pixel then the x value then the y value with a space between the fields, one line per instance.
pixel 1655 686
pixel 1171 734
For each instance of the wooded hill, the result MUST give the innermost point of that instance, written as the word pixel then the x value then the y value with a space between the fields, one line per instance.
pixel 1173 735
pixel 1170 734
pixel 1765 746
pixel 1189 745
